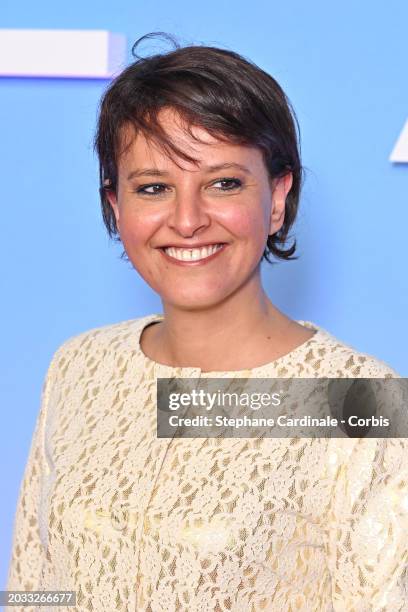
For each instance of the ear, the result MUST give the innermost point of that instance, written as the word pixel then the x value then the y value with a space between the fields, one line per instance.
pixel 280 189
pixel 113 201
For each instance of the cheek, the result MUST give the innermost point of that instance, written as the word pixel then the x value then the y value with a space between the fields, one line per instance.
pixel 137 227
pixel 244 222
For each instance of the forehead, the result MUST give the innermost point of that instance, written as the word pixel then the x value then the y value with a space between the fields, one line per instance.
pixel 193 140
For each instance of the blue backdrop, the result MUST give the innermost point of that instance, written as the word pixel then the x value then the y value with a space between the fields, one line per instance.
pixel 342 65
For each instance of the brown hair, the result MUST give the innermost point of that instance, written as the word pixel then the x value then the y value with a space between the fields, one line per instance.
pixel 216 89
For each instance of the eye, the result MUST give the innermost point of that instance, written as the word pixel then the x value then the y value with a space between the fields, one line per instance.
pixel 227 184
pixel 152 189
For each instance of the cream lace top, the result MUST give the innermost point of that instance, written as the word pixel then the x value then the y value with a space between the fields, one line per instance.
pixel 135 523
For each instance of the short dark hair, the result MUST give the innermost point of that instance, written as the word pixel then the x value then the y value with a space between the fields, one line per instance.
pixel 216 89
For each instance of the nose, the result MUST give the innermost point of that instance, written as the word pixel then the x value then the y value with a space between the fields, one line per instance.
pixel 188 215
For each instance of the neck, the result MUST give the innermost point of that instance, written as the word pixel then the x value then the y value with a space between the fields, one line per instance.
pixel 225 337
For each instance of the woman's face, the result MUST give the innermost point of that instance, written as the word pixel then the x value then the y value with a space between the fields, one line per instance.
pixel 196 233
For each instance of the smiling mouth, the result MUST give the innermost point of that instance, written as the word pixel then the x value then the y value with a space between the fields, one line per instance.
pixel 191 254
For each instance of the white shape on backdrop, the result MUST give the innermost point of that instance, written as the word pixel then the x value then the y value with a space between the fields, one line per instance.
pixel 400 150
pixel 94 54
pixel 97 54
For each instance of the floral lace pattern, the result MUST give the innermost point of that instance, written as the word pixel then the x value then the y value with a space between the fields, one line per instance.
pixel 136 523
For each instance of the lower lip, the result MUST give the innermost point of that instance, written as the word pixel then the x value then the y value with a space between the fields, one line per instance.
pixel 196 262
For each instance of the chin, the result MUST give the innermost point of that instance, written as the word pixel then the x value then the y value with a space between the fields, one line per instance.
pixel 193 302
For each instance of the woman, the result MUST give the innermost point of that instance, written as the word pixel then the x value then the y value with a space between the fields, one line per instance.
pixel 200 178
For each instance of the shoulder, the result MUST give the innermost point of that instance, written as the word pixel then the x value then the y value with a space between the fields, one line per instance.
pixel 105 340
pixel 332 357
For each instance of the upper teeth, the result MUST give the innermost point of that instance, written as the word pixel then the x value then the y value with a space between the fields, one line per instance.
pixel 192 254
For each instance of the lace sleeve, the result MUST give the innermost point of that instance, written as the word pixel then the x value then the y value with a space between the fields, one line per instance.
pixel 28 551
pixel 368 527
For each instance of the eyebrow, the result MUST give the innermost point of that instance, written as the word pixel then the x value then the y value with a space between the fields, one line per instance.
pixel 214 168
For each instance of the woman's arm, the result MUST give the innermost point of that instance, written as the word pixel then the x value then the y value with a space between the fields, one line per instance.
pixel 28 550
pixel 367 526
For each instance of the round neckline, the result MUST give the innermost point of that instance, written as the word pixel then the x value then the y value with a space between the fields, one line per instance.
pixel 280 361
